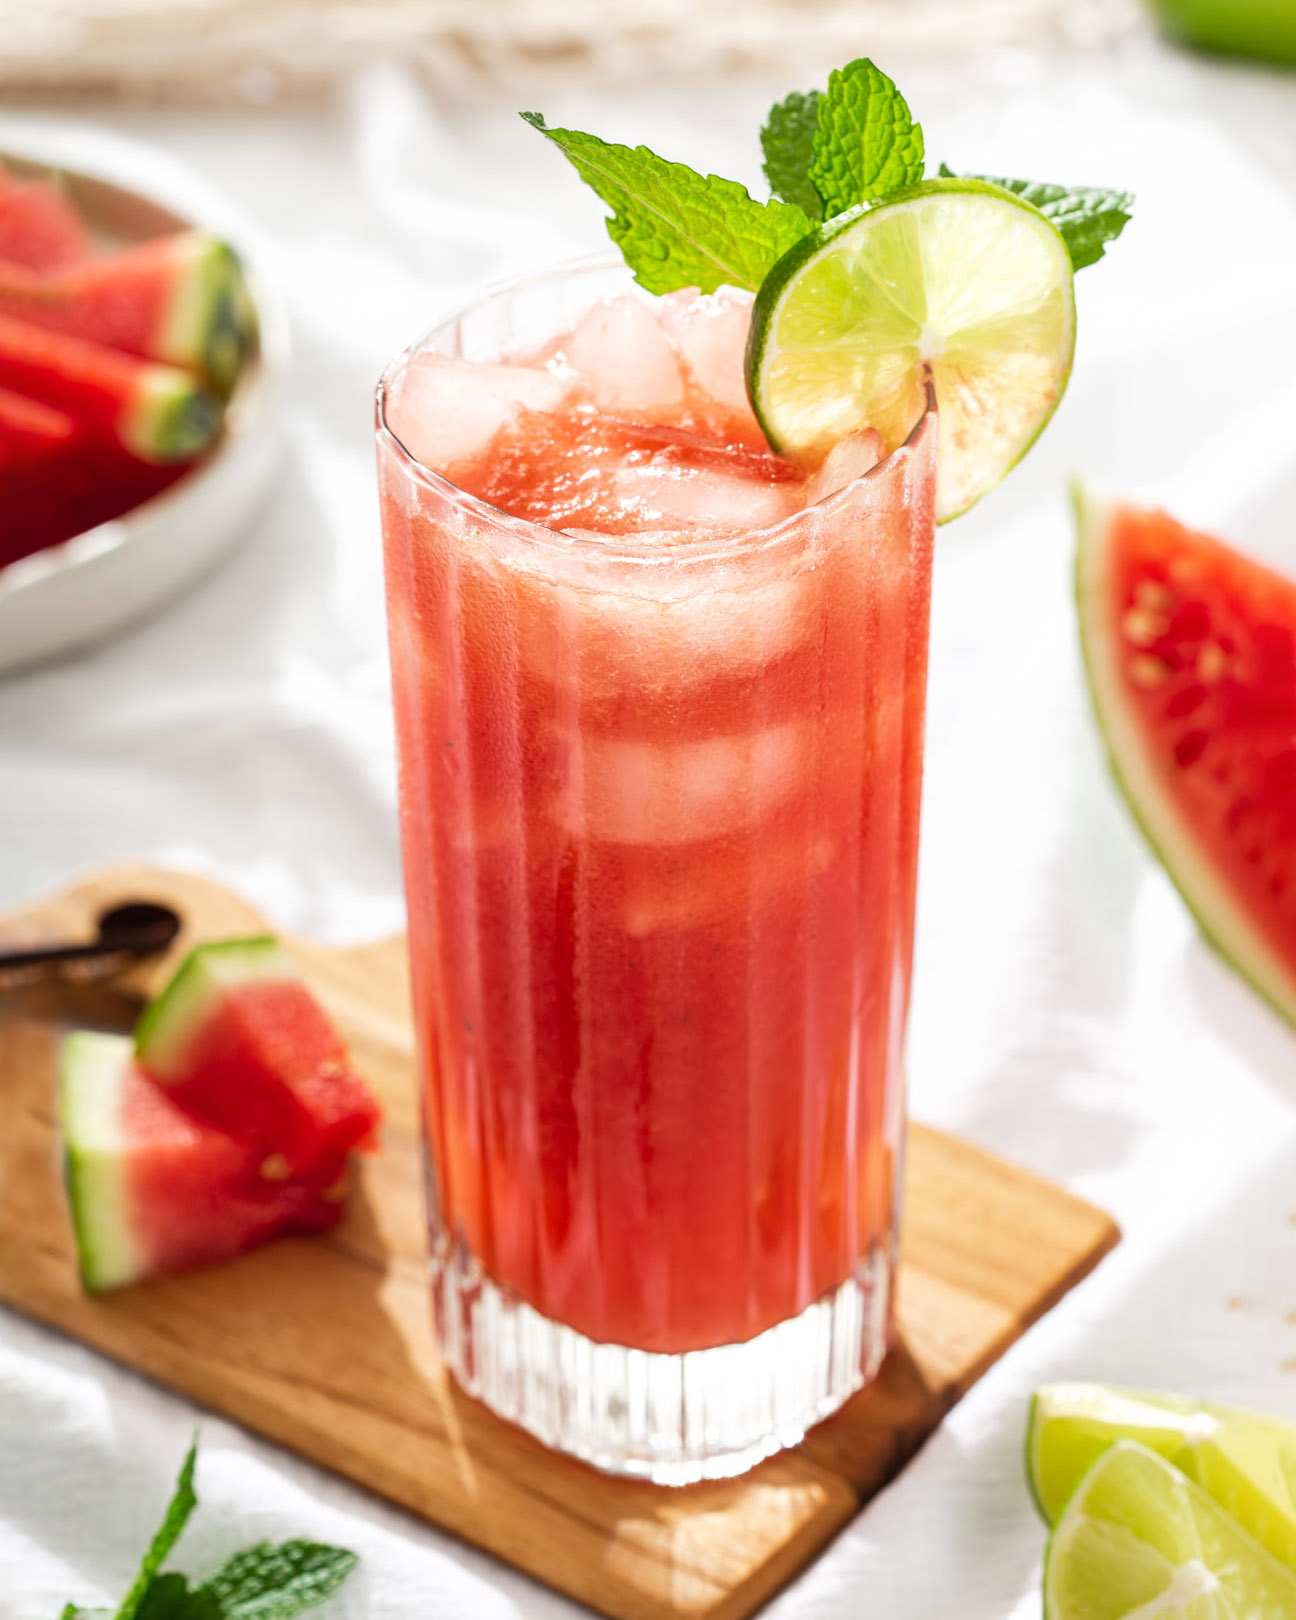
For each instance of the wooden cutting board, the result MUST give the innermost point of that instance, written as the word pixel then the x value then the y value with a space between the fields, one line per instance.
pixel 326 1346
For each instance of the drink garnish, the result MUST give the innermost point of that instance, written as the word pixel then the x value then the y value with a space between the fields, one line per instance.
pixel 677 228
pixel 870 279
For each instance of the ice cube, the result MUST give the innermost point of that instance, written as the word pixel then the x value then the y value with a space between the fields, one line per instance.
pixel 445 410
pixel 640 792
pixel 668 495
pixel 725 884
pixel 709 332
pixel 626 361
pixel 850 458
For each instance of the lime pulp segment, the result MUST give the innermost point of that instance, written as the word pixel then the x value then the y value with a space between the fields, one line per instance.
pixel 1139 1541
pixel 956 279
pixel 1245 1461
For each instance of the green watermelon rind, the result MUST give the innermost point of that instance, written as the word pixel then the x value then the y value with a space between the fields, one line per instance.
pixel 195 989
pixel 92 1071
pixel 173 417
pixel 1223 924
pixel 212 321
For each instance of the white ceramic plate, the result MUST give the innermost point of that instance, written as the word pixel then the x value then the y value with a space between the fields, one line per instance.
pixel 70 595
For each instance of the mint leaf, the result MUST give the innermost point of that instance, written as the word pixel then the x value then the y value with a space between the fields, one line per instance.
pixel 182 1505
pixel 1088 216
pixel 787 142
pixel 866 144
pixel 675 227
pixel 266 1582
pixel 170 1597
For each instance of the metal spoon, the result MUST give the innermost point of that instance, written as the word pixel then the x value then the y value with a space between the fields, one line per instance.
pixel 128 933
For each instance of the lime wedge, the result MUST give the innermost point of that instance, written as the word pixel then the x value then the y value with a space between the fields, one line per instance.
pixel 1138 1540
pixel 1247 1462
pixel 956 279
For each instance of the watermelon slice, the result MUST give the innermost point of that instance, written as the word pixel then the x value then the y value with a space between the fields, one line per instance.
pixel 153 1190
pixel 39 228
pixel 1191 654
pixel 158 413
pixel 239 1041
pixel 180 299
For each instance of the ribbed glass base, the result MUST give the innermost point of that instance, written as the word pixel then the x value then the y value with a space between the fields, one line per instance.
pixel 674 1419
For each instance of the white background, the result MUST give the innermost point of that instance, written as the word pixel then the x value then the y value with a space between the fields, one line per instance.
pixel 1066 1013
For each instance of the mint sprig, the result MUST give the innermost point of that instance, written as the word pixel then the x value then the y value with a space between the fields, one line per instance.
pixel 787 144
pixel 867 144
pixel 269 1582
pixel 263 1582
pixel 1089 217
pixel 182 1504
pixel 824 152
pixel 675 227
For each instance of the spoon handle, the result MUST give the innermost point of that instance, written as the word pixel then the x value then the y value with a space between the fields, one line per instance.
pixel 78 964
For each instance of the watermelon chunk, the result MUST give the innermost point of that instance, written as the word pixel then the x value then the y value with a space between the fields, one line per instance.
pixel 239 1041
pixel 39 228
pixel 152 1190
pixel 158 413
pixel 1191 654
pixel 180 299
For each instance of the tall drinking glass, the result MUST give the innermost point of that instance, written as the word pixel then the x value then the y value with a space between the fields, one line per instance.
pixel 659 810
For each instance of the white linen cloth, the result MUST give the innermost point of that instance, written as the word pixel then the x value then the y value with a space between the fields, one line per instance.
pixel 1066 1012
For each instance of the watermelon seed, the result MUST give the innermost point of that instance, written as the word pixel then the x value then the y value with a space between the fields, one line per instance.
pixel 1185 700
pixel 1189 749
pixel 1151 593
pixel 275 1167
pixel 1211 662
pixel 1145 670
pixel 1143 628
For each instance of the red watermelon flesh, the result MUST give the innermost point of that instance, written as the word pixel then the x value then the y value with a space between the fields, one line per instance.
pixel 39 228
pixel 179 299
pixel 238 1039
pixel 29 430
pixel 1191 652
pixel 50 497
pixel 154 1190
pixel 158 413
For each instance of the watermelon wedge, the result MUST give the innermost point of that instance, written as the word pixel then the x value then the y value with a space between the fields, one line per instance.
pixel 152 1190
pixel 39 228
pixel 180 299
pixel 1191 654
pixel 158 413
pixel 238 1040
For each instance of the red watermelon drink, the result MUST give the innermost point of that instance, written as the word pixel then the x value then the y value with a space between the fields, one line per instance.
pixel 660 767
pixel 658 571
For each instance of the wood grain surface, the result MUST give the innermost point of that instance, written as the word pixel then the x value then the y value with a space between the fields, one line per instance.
pixel 325 1345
